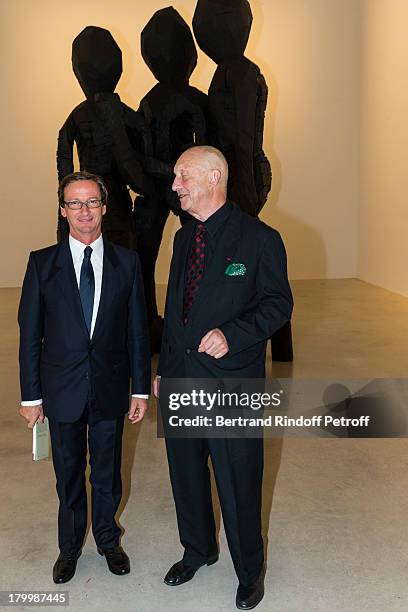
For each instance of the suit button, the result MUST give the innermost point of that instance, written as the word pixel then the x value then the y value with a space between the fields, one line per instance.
pixel 87 375
pixel 188 351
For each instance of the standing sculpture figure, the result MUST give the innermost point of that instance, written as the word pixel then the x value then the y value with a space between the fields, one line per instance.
pixel 237 100
pixel 175 112
pixel 97 64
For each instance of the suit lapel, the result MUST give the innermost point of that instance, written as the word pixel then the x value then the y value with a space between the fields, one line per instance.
pixel 65 275
pixel 181 262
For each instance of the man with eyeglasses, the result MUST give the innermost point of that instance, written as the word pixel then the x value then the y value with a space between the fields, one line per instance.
pixel 83 336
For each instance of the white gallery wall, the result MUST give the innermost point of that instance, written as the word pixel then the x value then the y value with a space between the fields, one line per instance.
pixel 383 236
pixel 317 135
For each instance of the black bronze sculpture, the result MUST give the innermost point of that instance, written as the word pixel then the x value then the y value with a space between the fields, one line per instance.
pixel 97 64
pixel 237 100
pixel 139 149
pixel 175 112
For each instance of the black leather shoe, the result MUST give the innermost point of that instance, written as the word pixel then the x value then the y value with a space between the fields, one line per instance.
pixel 117 560
pixel 249 596
pixel 179 573
pixel 65 566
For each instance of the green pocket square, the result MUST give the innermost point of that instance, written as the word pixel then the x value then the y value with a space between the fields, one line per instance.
pixel 235 269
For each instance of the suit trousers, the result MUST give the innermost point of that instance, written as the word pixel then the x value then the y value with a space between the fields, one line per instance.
pixel 238 468
pixel 69 449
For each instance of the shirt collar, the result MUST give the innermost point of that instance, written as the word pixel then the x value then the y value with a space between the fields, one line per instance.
pixel 214 222
pixel 77 248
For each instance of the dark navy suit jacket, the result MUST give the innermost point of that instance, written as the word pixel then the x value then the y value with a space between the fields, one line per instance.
pixel 247 308
pixel 59 362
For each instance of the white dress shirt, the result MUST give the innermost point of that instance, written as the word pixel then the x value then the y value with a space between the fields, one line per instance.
pixel 77 251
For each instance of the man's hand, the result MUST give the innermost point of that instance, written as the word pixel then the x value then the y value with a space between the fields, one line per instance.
pixel 32 414
pixel 156 386
pixel 138 407
pixel 214 343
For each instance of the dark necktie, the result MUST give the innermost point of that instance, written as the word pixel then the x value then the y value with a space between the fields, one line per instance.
pixel 87 287
pixel 195 269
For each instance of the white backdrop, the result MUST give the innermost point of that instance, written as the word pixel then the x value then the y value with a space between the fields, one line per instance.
pixel 311 54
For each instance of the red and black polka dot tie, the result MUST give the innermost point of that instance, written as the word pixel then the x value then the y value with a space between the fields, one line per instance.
pixel 195 269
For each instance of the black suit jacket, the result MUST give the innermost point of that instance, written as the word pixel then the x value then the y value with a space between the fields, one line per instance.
pixel 58 361
pixel 248 309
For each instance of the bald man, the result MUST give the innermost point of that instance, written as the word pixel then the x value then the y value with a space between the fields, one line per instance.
pixel 228 292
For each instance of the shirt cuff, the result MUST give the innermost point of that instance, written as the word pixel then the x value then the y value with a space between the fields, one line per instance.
pixel 140 396
pixel 32 402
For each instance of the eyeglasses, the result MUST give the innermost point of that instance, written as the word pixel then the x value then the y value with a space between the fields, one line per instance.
pixel 77 204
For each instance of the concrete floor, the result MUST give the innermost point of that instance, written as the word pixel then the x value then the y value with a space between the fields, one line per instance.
pixel 335 510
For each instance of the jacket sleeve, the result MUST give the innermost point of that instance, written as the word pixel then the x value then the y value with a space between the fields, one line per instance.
pixel 163 351
pixel 275 303
pixel 165 336
pixel 31 322
pixel 138 336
